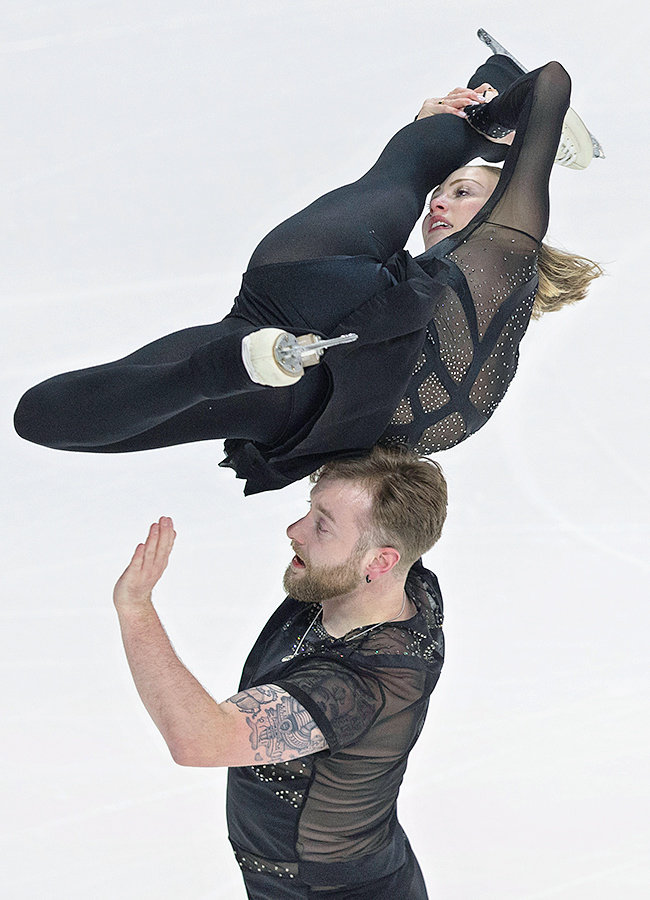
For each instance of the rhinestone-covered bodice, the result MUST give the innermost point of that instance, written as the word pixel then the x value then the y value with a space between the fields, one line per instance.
pixel 471 349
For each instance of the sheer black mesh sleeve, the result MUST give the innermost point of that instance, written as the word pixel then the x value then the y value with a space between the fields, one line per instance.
pixel 535 105
pixel 343 702
pixel 472 346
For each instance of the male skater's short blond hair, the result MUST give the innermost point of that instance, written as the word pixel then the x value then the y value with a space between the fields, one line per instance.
pixel 408 493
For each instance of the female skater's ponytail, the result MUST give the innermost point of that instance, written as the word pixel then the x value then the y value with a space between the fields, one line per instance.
pixel 563 278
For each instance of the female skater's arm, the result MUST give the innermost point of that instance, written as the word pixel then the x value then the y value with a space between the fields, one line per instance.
pixel 535 105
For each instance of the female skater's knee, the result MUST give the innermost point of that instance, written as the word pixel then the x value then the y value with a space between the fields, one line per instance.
pixel 34 420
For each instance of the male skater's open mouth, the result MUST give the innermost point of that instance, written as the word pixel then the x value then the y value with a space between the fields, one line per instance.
pixel 298 562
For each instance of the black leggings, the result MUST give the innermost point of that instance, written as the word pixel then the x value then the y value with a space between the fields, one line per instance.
pixel 191 385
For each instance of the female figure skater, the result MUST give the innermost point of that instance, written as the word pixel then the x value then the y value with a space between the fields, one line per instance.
pixel 438 335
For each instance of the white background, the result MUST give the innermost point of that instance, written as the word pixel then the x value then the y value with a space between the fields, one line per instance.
pixel 146 148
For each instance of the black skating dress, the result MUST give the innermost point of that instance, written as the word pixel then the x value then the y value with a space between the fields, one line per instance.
pixel 439 334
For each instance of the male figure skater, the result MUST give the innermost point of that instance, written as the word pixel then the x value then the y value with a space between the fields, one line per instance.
pixel 334 692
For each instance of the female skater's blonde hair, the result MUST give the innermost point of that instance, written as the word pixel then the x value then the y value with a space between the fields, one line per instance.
pixel 564 277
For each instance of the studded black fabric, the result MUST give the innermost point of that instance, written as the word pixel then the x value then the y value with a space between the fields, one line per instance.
pixel 329 819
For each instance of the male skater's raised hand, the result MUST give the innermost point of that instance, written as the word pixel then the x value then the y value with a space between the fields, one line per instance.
pixel 147 565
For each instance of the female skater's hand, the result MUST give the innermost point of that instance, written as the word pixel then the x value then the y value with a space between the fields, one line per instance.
pixel 149 562
pixel 456 101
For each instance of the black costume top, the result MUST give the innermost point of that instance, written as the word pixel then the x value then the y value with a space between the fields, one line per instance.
pixel 438 334
pixel 329 819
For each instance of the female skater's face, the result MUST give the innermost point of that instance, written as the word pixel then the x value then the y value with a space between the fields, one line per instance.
pixel 456 201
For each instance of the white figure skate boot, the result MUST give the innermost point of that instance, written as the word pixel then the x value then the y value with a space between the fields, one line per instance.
pixel 277 359
pixel 577 145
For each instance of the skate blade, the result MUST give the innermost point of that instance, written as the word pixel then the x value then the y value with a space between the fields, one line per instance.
pixel 497 48
pixel 293 354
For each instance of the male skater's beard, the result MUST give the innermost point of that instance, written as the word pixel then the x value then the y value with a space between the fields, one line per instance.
pixel 318 583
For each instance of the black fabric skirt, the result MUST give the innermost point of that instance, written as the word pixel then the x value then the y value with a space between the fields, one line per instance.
pixel 388 306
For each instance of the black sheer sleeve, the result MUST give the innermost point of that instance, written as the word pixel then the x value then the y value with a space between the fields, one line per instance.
pixel 535 105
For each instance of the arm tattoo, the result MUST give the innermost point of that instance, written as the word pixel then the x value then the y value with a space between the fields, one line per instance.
pixel 281 728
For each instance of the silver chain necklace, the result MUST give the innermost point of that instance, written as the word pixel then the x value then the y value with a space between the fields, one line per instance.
pixel 352 637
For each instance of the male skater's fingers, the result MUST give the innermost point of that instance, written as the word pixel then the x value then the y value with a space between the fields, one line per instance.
pixel 166 538
pixel 151 545
pixel 157 549
pixel 147 564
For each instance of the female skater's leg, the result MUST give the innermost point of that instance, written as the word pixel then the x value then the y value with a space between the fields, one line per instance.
pixel 117 402
pixel 375 215
pixel 125 404
pixel 258 416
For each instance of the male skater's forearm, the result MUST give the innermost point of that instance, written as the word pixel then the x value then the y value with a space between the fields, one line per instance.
pixel 189 719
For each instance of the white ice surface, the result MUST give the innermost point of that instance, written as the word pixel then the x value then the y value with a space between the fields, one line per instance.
pixel 147 146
